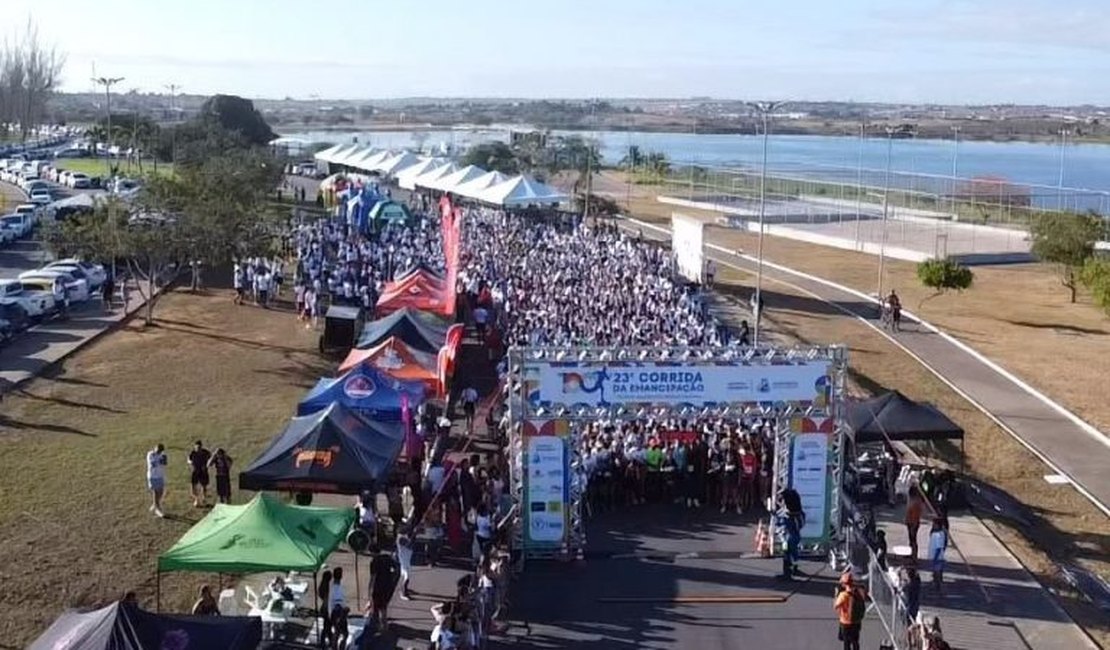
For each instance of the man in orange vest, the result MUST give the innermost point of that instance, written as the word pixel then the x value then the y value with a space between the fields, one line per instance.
pixel 850 606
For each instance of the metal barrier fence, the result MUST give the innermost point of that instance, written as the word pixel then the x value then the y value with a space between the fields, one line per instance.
pixel 886 597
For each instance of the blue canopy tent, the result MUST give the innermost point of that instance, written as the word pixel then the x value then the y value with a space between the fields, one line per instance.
pixel 365 390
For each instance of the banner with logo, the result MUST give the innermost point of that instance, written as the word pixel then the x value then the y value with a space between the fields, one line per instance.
pixel 680 383
pixel 811 466
pixel 687 242
pixel 546 470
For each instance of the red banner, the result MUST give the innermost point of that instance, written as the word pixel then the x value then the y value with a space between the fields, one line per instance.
pixel 451 222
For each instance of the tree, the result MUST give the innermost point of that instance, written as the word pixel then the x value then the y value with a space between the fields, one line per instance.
pixel 238 115
pixel 1096 277
pixel 658 164
pixel 633 159
pixel 1068 241
pixel 493 156
pixel 943 275
pixel 29 74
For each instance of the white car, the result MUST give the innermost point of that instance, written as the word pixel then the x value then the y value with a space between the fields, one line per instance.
pixel 32 210
pixel 77 290
pixel 63 177
pixel 7 234
pixel 78 181
pixel 20 224
pixel 78 272
pixel 41 196
pixel 37 304
pixel 96 273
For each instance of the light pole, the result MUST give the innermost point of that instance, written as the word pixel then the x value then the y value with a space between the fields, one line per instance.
pixel 1060 179
pixel 108 82
pixel 886 202
pixel 859 179
pixel 955 168
pixel 765 110
pixel 173 88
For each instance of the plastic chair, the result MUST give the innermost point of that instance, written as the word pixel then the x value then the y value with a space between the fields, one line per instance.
pixel 251 598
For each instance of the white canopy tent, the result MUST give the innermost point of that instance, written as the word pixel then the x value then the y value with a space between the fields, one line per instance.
pixel 521 190
pixel 474 188
pixel 327 154
pixel 397 163
pixel 341 154
pixel 439 172
pixel 361 153
pixel 449 182
pixel 360 160
pixel 406 176
pixel 372 162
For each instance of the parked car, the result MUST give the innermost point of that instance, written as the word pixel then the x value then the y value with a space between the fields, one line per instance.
pixel 16 316
pixel 97 274
pixel 35 301
pixel 77 290
pixel 32 210
pixel 63 177
pixel 21 224
pixel 7 234
pixel 79 181
pixel 76 271
pixel 54 287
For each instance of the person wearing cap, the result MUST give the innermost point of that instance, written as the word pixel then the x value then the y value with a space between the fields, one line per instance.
pixel 850 605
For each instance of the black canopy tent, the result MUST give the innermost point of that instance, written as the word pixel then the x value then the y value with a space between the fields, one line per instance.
pixel 331 451
pixel 122 627
pixel 417 329
pixel 894 416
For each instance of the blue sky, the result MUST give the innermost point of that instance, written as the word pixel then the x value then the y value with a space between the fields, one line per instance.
pixel 945 51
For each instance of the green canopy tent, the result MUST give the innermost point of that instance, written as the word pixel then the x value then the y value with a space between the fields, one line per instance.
pixel 263 535
pixel 390 211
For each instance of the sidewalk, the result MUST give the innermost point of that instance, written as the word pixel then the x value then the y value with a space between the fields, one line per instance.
pixel 37 349
pixel 991 602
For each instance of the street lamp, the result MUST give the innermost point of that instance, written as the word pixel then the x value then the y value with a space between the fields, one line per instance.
pixel 108 82
pixel 173 88
pixel 955 160
pixel 890 131
pixel 859 179
pixel 1060 180
pixel 765 110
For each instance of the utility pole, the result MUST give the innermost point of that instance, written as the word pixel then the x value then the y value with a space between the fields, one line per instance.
pixel 108 82
pixel 765 110
pixel 173 88
pixel 886 202
pixel 859 179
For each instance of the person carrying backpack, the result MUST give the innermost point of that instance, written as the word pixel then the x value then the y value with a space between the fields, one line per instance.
pixel 850 606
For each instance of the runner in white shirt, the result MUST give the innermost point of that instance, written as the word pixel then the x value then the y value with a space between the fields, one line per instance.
pixel 156 477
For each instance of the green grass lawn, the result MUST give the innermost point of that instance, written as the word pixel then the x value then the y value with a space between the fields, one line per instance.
pixel 73 512
pixel 96 167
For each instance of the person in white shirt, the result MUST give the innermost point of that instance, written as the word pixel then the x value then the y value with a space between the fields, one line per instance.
pixel 404 559
pixel 156 477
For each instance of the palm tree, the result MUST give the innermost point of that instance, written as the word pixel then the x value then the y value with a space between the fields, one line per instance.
pixel 658 164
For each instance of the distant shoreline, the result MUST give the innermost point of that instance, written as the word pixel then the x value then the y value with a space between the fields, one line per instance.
pixel 838 130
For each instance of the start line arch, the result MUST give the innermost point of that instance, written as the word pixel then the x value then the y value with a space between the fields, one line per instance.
pixel 553 391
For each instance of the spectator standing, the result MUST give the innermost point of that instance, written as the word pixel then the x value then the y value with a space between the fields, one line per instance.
pixel 915 505
pixel 850 605
pixel 404 562
pixel 383 580
pixel 470 406
pixel 938 544
pixel 156 477
pixel 198 460
pixel 206 604
pixel 221 462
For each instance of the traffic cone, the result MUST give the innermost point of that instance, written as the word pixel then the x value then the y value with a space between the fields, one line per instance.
pixel 759 534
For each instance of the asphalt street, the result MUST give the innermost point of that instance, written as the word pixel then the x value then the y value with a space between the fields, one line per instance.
pixel 640 561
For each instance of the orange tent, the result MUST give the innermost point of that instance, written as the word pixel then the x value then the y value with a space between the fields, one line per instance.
pixel 397 359
pixel 417 292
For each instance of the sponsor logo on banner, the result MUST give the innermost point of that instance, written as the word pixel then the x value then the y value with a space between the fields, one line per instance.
pixel 389 360
pixel 358 387
pixel 809 477
pixel 321 457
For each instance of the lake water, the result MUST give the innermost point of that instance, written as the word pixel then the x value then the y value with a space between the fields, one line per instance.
pixel 1086 166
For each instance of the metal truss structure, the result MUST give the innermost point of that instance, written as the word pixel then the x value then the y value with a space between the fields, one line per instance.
pixel 522 409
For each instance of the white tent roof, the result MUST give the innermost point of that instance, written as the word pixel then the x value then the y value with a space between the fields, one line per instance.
pixel 366 159
pixel 406 176
pixel 397 163
pixel 521 190
pixel 449 182
pixel 361 153
pixel 326 154
pixel 439 172
pixel 474 188
pixel 341 153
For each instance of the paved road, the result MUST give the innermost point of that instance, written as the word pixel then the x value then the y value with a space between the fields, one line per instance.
pixel 1057 439
pixel 564 605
